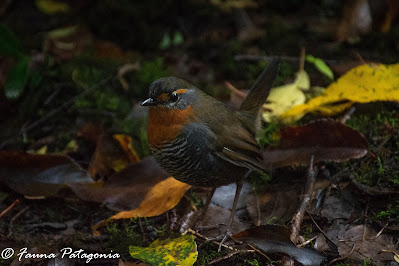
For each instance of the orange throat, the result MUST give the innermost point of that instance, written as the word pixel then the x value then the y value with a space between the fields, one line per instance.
pixel 164 124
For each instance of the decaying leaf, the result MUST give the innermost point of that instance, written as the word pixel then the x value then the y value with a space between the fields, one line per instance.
pixel 113 153
pixel 126 189
pixel 366 242
pixel 162 197
pixel 363 84
pixel 51 7
pixel 36 175
pixel 177 251
pixel 276 239
pixel 327 140
pixel 285 97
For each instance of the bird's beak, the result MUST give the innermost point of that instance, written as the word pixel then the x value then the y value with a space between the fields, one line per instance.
pixel 149 102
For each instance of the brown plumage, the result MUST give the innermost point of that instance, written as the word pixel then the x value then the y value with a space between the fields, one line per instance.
pixel 198 140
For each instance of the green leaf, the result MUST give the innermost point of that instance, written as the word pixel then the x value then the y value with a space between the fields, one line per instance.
pixel 51 7
pixel 177 251
pixel 321 66
pixel 9 44
pixel 165 42
pixel 16 79
pixel 177 38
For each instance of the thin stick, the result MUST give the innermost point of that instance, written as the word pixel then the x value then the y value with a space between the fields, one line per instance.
pixel 9 208
pixel 260 252
pixel 191 231
pixel 234 90
pixel 298 216
pixel 348 115
pixel 55 111
pixel 11 225
pixel 231 255
pixel 344 257
pixel 242 57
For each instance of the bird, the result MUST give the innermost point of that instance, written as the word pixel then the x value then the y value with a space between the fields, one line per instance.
pixel 200 141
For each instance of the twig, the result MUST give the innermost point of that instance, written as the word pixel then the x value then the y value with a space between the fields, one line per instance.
pixel 344 257
pixel 9 208
pixel 348 115
pixel 380 232
pixel 298 216
pixel 191 231
pixel 260 252
pixel 329 241
pixel 259 221
pixel 302 59
pixel 231 255
pixel 236 91
pixel 306 242
pixel 11 225
pixel 55 111
pixel 242 57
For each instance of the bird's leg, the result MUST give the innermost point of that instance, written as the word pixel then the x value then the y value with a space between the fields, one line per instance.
pixel 205 208
pixel 227 235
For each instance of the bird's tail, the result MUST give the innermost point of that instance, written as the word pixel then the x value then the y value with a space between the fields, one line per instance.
pixel 260 90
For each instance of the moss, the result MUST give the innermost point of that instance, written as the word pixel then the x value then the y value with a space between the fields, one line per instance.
pixel 122 235
pixel 207 253
pixel 268 135
pixel 381 169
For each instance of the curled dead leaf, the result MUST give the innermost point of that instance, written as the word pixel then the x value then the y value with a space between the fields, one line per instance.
pixel 327 140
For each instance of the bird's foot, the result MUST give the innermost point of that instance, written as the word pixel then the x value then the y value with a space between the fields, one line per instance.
pixel 223 238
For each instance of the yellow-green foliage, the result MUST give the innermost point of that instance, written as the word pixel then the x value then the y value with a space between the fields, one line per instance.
pixel 177 251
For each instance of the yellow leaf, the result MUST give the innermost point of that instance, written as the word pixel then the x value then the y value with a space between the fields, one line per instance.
pixel 51 7
pixel 162 197
pixel 285 97
pixel 363 84
pixel 127 145
pixel 177 251
pixel 42 150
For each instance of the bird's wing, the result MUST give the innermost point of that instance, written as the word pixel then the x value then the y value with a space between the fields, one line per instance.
pixel 240 148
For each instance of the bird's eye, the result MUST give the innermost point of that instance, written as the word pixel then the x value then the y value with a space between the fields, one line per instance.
pixel 174 97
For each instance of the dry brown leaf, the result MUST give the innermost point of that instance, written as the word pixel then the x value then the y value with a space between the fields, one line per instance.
pixel 367 245
pixel 37 175
pixel 126 189
pixel 326 140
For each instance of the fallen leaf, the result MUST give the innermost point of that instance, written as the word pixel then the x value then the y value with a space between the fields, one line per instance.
pixel 126 189
pixel 36 175
pixel 177 251
pixel 321 66
pixel 326 140
pixel 113 153
pixel 162 197
pixel 276 239
pixel 367 244
pixel 363 84
pixel 285 97
pixel 51 7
